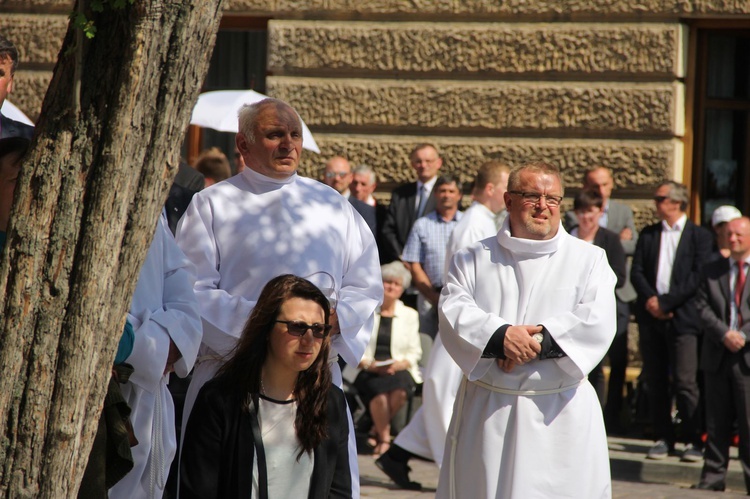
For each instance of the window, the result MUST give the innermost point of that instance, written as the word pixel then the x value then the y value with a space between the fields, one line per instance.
pixel 721 158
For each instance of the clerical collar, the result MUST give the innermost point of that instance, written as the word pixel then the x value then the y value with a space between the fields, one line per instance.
pixel 254 177
pixel 529 246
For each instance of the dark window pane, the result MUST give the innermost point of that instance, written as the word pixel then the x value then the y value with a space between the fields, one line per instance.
pixel 728 67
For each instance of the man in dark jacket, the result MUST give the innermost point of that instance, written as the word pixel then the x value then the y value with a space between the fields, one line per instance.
pixel 8 65
pixel 666 271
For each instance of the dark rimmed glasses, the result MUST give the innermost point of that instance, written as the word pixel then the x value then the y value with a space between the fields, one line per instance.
pixel 660 199
pixel 299 328
pixel 535 197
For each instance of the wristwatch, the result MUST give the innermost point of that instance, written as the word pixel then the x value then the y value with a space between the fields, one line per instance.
pixel 538 337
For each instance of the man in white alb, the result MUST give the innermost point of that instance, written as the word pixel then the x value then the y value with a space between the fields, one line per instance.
pixel 526 315
pixel 424 436
pixel 268 221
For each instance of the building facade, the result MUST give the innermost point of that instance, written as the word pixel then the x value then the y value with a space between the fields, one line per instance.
pixel 653 90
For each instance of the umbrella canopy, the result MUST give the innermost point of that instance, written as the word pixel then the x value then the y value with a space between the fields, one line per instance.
pixel 218 110
pixel 12 112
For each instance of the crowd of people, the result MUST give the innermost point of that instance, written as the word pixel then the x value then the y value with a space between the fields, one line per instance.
pixel 258 283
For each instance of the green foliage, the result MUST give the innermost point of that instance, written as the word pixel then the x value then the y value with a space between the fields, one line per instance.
pixel 80 21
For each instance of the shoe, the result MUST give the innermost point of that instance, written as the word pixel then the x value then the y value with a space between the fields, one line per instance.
pixel 692 454
pixel 660 450
pixel 718 486
pixel 396 471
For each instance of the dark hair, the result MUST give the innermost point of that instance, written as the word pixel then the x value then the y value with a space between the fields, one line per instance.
pixel 587 199
pixel 448 179
pixel 241 373
pixel 11 145
pixel 7 49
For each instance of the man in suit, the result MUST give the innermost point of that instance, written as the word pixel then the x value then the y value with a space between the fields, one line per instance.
pixel 338 175
pixel 411 201
pixel 724 307
pixel 8 65
pixel 666 271
pixel 618 218
pixel 364 182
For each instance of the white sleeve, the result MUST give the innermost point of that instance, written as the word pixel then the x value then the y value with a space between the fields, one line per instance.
pixel 465 328
pixel 223 315
pixel 173 315
pixel 361 291
pixel 586 332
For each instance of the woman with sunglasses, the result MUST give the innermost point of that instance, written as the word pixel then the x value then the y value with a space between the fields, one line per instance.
pixel 271 424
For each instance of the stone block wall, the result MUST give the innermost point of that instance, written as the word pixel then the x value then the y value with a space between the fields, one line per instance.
pixel 576 82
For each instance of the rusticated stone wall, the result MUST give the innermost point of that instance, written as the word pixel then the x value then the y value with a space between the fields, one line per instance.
pixel 473 50
pixel 634 163
pixel 392 106
pixel 543 9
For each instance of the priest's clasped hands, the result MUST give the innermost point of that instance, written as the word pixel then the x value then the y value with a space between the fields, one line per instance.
pixel 519 346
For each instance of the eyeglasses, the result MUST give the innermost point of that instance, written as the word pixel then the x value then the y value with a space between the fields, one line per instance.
pixel 336 174
pixel 534 198
pixel 660 199
pixel 299 328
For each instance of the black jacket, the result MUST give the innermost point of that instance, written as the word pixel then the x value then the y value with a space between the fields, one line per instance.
pixel 693 252
pixel 218 449
pixel 402 213
pixel 12 128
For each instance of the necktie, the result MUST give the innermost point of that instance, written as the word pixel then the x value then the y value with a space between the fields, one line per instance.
pixel 422 201
pixel 738 287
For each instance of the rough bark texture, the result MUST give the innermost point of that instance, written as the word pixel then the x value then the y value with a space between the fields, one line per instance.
pixel 86 206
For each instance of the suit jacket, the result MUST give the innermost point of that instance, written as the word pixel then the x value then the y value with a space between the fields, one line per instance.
pixel 713 302
pixel 218 452
pixel 610 242
pixel 367 212
pixel 187 182
pixel 12 128
pixel 402 213
pixel 693 252
pixel 619 216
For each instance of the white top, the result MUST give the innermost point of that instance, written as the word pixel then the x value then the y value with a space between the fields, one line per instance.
pixel 286 476
pixel 163 308
pixel 498 442
pixel 244 231
pixel 477 223
pixel 670 239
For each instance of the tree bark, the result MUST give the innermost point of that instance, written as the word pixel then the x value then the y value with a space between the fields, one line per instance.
pixel 86 206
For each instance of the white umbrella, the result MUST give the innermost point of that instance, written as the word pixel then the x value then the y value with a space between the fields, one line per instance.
pixel 218 110
pixel 12 112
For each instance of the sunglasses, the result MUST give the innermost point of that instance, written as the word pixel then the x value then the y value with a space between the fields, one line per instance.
pixel 299 328
pixel 660 199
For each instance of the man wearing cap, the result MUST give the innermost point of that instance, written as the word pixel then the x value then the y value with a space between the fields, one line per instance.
pixel 719 220
pixel 724 307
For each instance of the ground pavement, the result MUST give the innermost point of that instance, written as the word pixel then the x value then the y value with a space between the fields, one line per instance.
pixel 634 477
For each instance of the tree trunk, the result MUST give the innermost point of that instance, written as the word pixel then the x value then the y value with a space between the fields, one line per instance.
pixel 86 207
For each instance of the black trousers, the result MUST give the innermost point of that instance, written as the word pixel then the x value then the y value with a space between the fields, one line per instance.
pixel 727 395
pixel 618 363
pixel 670 365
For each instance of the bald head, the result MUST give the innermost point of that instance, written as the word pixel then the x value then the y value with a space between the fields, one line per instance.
pixel 738 235
pixel 338 174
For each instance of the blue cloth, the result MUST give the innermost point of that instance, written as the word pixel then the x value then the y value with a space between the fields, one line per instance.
pixel 125 347
pixel 427 244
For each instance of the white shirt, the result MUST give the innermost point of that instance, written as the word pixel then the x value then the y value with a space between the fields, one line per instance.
pixel 670 239
pixel 425 189
pixel 287 477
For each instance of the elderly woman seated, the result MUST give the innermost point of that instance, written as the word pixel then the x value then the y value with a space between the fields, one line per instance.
pixel 389 369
